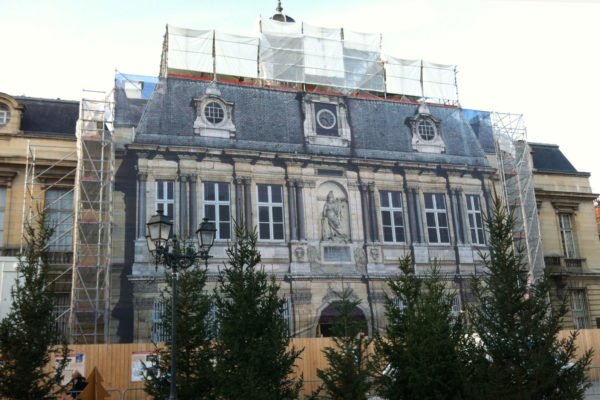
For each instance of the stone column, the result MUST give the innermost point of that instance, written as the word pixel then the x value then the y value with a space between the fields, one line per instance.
pixel 248 204
pixel 292 209
pixel 418 216
pixel 460 215
pixel 183 231
pixel 300 210
pixel 365 212
pixel 412 217
pixel 142 176
pixel 193 205
pixel 239 200
pixel 373 210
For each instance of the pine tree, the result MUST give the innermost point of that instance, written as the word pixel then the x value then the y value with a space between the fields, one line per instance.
pixel 421 354
pixel 518 354
pixel 195 372
pixel 29 334
pixel 348 374
pixel 253 358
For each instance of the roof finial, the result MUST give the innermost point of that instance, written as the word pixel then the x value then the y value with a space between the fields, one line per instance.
pixel 279 9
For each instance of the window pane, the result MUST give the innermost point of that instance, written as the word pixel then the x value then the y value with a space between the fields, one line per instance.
pixel 400 235
pixel 224 213
pixel 263 214
pixel 440 202
pixel 160 207
pixel 276 194
pixel 432 233
pixel 263 194
pixel 209 191
pixel 387 234
pixel 264 231
pixel 277 214
pixel 444 235
pixel 428 200
pixel 383 199
pixel 278 231
pixel 224 230
pixel 160 190
pixel 385 218
pixel 170 210
pixel 430 219
pixel 396 199
pixel 398 218
pixel 170 185
pixel 223 192
pixel 209 212
pixel 442 220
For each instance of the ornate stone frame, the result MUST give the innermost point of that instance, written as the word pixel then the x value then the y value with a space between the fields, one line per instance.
pixel 435 145
pixel 310 123
pixel 224 129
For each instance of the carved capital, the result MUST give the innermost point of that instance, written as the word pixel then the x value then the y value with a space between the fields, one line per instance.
pixel 142 176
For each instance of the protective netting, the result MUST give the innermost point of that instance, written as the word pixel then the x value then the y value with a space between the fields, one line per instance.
pixel 305 54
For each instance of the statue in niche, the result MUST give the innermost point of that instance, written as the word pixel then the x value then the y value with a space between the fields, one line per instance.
pixel 331 221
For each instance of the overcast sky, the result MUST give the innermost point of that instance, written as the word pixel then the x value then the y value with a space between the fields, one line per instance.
pixel 539 57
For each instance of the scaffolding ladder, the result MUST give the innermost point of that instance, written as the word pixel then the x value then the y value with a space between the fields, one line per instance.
pixel 516 173
pixel 90 293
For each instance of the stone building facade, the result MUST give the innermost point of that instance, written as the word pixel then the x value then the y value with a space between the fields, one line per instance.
pixel 338 188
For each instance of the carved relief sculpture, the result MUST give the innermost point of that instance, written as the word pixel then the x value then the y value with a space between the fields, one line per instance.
pixel 331 220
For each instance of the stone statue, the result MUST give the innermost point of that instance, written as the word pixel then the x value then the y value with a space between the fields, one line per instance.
pixel 331 221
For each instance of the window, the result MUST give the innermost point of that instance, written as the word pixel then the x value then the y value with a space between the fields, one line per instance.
pixel 566 234
pixel 159 310
pixel 392 217
pixel 214 112
pixel 578 306
pixel 426 129
pixel 270 212
pixel 436 218
pixel 59 216
pixel 217 207
pixel 165 200
pixel 2 213
pixel 4 115
pixel 475 219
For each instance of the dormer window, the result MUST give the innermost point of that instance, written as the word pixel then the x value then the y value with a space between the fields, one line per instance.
pixel 325 121
pixel 214 115
pixel 426 134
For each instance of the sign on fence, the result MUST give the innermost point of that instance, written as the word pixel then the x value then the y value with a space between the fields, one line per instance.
pixel 139 359
pixel 76 362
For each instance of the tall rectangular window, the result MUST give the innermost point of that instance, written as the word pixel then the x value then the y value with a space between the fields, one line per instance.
pixel 566 234
pixel 217 207
pixel 270 212
pixel 59 216
pixel 165 198
pixel 436 216
pixel 392 217
pixel 2 213
pixel 475 219
pixel 579 309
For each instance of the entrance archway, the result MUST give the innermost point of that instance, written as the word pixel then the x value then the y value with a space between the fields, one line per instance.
pixel 330 314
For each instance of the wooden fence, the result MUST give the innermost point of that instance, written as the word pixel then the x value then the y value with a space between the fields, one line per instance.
pixel 114 361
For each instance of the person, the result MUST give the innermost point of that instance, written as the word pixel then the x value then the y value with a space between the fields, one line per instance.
pixel 79 384
pixel 332 219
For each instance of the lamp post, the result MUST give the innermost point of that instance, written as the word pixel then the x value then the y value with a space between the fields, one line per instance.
pixel 166 249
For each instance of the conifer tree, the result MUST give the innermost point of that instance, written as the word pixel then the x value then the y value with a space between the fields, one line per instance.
pixel 195 372
pixel 518 354
pixel 29 334
pixel 420 357
pixel 253 358
pixel 348 376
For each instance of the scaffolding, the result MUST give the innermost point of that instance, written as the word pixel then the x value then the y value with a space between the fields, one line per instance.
pixel 90 294
pixel 49 187
pixel 516 173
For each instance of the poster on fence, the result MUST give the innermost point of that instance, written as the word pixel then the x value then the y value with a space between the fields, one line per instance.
pixel 139 359
pixel 76 362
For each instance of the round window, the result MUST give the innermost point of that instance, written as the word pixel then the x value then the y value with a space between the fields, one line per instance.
pixel 214 112
pixel 326 119
pixel 426 129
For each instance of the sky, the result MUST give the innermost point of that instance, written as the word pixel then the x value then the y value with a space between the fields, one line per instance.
pixel 538 58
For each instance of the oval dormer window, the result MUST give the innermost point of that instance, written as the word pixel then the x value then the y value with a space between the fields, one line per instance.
pixel 214 112
pixel 426 129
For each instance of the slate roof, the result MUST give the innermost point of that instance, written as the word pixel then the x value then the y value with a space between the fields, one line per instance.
pixel 271 120
pixel 49 117
pixel 549 158
pixel 128 111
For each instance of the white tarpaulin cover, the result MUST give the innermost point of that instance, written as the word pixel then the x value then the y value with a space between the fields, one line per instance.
pixel 302 53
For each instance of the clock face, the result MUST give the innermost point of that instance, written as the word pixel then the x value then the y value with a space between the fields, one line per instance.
pixel 326 119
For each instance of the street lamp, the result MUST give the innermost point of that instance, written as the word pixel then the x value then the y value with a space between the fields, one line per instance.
pixel 176 255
